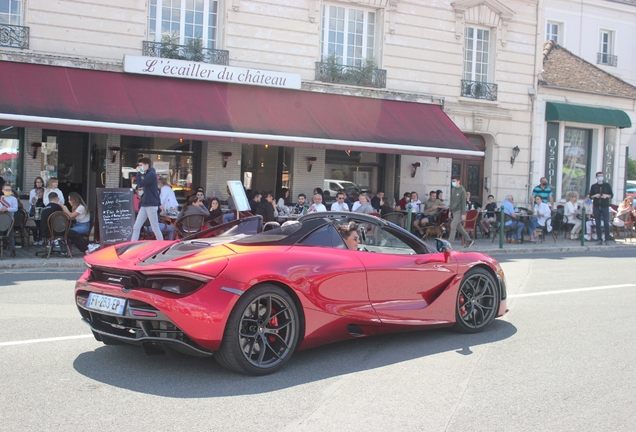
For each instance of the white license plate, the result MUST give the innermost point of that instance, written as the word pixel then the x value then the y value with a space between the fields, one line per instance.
pixel 104 303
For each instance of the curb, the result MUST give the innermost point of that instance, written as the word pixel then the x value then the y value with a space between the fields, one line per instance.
pixel 564 249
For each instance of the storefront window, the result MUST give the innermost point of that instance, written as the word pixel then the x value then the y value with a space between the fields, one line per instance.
pixel 9 154
pixel 576 160
pixel 172 159
pixel 362 168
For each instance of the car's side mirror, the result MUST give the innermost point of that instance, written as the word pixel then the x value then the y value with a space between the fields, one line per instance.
pixel 442 245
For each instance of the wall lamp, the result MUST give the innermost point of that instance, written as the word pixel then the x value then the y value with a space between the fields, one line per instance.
pixel 34 147
pixel 113 153
pixel 226 156
pixel 311 161
pixel 415 165
pixel 515 153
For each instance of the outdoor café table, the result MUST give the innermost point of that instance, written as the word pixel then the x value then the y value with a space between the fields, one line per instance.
pixel 524 217
pixel 287 217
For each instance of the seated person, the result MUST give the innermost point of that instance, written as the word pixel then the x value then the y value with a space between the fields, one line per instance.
pixel 432 206
pixel 540 215
pixel 299 208
pixel 82 217
pixel 365 206
pixel 403 202
pixel 52 207
pixel 350 235
pixel 9 204
pixel 387 207
pixel 471 204
pixel 267 208
pixel 255 201
pixel 215 210
pixel 509 209
pixel 201 196
pixel 194 206
pixel 317 206
pixel 572 212
pixel 166 228
pixel 378 201
pixel 625 212
pixel 339 205
pixel 489 216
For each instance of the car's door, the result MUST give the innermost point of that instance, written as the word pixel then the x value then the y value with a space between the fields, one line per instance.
pixel 403 281
pixel 332 276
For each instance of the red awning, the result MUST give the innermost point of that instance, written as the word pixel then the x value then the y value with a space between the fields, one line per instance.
pixel 8 156
pixel 130 104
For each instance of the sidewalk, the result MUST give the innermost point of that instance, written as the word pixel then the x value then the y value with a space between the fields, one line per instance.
pixel 26 259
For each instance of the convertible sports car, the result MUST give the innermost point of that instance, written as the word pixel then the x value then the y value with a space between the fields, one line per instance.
pixel 252 297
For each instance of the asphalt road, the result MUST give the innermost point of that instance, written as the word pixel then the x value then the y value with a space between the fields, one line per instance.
pixel 561 360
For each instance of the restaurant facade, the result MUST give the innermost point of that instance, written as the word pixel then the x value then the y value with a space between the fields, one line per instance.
pixel 390 95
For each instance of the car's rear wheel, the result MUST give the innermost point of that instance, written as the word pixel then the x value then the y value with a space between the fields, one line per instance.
pixel 477 301
pixel 262 332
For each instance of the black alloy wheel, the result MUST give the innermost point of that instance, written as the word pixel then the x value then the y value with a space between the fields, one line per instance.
pixel 262 332
pixel 477 301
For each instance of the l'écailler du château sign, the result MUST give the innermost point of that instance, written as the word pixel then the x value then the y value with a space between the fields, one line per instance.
pixel 209 72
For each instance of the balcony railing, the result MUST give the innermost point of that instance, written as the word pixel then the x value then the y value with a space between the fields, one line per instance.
pixel 479 90
pixel 186 52
pixel 14 36
pixel 607 59
pixel 353 75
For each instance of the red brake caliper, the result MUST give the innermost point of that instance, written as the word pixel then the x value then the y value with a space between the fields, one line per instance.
pixel 273 322
pixel 462 309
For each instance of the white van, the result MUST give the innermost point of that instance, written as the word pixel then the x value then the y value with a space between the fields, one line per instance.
pixel 333 186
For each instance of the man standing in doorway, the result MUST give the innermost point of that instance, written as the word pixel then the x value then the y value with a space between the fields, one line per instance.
pixel 601 192
pixel 458 208
pixel 543 190
pixel 150 201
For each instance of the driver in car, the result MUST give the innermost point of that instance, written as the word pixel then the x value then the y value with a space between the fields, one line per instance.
pixel 350 235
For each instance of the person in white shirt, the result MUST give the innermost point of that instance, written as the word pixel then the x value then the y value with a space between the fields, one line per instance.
pixel 166 196
pixel 571 211
pixel 9 204
pixel 317 206
pixel 76 235
pixel 340 204
pixel 52 187
pixel 540 216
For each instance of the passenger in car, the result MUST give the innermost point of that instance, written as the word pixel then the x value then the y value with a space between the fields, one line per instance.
pixel 350 235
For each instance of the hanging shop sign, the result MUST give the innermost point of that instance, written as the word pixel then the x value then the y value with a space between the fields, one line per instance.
pixel 552 154
pixel 209 72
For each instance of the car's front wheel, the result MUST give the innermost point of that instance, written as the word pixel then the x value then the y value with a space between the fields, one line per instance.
pixel 477 301
pixel 262 332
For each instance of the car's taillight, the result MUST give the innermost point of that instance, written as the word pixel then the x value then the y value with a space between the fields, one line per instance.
pixel 175 283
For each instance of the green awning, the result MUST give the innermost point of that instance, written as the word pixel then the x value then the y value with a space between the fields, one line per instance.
pixel 586 114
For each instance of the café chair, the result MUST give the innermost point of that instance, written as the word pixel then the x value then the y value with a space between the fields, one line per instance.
pixel 190 224
pixel 396 217
pixel 6 225
pixel 216 221
pixel 20 219
pixel 59 225
pixel 270 226
pixel 494 226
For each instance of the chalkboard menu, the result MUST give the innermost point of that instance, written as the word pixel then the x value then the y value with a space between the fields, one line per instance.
pixel 115 215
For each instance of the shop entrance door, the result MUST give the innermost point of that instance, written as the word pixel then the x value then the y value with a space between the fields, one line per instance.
pixel 471 172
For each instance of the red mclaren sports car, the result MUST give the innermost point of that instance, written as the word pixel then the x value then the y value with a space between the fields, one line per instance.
pixel 252 297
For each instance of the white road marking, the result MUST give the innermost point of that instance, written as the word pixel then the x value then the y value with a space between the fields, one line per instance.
pixel 55 339
pixel 569 291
